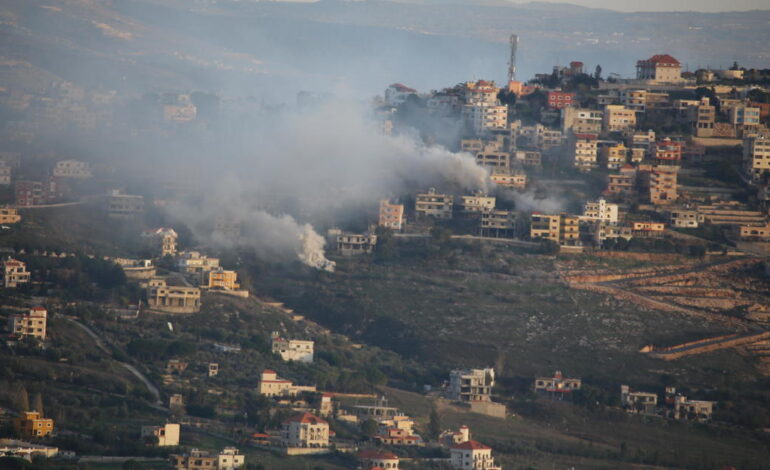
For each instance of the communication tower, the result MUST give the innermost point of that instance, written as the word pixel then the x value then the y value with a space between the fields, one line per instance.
pixel 512 61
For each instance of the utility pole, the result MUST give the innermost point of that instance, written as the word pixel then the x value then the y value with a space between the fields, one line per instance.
pixel 514 40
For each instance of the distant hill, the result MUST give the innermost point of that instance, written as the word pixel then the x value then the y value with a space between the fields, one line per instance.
pixel 273 49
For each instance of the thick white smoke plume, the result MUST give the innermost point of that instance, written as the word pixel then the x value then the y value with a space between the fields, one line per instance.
pixel 278 176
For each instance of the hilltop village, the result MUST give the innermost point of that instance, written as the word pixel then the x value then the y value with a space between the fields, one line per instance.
pixel 130 344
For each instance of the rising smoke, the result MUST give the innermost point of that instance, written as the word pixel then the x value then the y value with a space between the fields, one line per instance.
pixel 300 170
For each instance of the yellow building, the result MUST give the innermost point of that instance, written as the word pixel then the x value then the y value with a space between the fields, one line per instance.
pixel 561 228
pixel 31 424
pixel 9 215
pixel 29 325
pixel 618 118
pixel 305 430
pixel 14 273
pixel 614 156
pixel 222 279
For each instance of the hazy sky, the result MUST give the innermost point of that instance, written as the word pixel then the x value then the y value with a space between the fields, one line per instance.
pixel 668 5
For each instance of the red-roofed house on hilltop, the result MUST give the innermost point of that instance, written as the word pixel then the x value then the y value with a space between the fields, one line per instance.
pixel 371 459
pixel 660 68
pixel 396 94
pixel 472 455
pixel 305 430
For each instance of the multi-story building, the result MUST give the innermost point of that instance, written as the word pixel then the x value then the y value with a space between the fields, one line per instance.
pixel 600 210
pixel 661 183
pixel 471 384
pixel 14 273
pixel 31 424
pixel 498 224
pixel 72 169
pixel 305 430
pixel 623 182
pixel 743 115
pixel 398 437
pixel 5 173
pixel 161 240
pixel 483 118
pixel 756 158
pixel 638 402
pixel 9 215
pixel 679 407
pixel 560 99
pixel 754 232
pixel 396 94
pixel 560 228
pixel 172 299
pixel 647 229
pixel 585 150
pixel 685 218
pixel 167 435
pixel 26 450
pixel 702 118
pixel 120 205
pixel 480 92
pixel 222 279
pixel 349 244
pixel 271 385
pixel 449 438
pixel 213 369
pixel 228 459
pixel 606 231
pixel 581 121
pixel 433 204
pixel 660 68
pixel 528 157
pixel 558 385
pixel 494 160
pixel 472 455
pixel 634 99
pixel 618 118
pixel 614 156
pixel 477 203
pixel 193 262
pixel 29 325
pixel 292 349
pixel 31 193
pixel 391 215
pixel 514 179
pixel 667 150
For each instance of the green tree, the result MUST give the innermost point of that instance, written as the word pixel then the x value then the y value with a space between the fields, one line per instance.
pixel 434 424
pixel 21 399
pixel 370 428
pixel 37 403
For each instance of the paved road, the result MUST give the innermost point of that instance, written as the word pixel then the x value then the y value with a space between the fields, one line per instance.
pixel 100 344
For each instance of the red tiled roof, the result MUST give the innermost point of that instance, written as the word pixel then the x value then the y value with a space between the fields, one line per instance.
pixel 663 59
pixel 403 88
pixel 371 454
pixel 38 309
pixel 471 445
pixel 269 371
pixel 586 136
pixel 309 418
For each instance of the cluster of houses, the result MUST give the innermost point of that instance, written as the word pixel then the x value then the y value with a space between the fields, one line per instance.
pixel 599 131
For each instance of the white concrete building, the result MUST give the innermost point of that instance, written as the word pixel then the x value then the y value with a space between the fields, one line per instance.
pixel 471 384
pixel 72 169
pixel 756 158
pixel 600 210
pixel 305 430
pixel 396 94
pixel 292 349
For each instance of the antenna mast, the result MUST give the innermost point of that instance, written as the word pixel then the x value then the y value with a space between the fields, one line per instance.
pixel 512 61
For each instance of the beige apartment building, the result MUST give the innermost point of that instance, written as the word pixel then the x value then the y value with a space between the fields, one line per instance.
pixel 222 279
pixel 271 385
pixel 585 151
pixel 228 459
pixel 614 156
pixel 433 204
pixel 305 430
pixel 471 384
pixel 756 158
pixel 161 240
pixel 350 244
pixel 581 121
pixel 192 262
pixel 516 179
pixel 121 205
pixel 618 118
pixel 485 117
pixel 529 157
pixel 391 215
pixel 498 224
pixel 167 435
pixel 496 160
pixel 14 273
pixel 29 325
pixel 561 228
pixel 172 299
pixel 660 183
pixel 477 203
pixel 9 215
